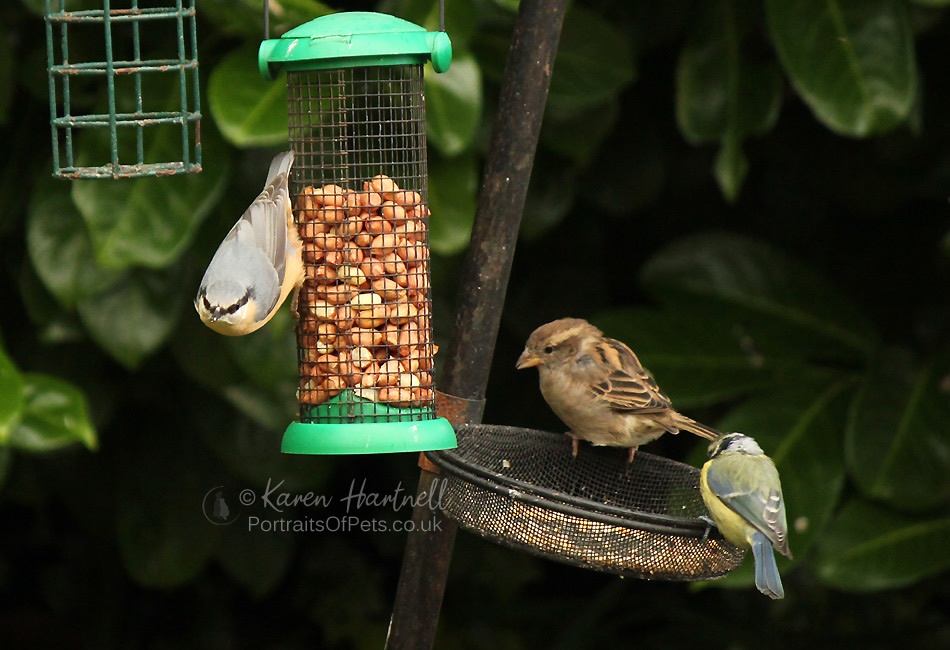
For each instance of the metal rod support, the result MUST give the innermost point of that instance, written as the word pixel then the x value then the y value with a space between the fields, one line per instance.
pixel 482 291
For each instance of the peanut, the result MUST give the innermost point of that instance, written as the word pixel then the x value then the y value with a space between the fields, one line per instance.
pixel 403 312
pixel 369 199
pixel 372 267
pixel 383 244
pixel 364 338
pixel 336 294
pixel 351 275
pixel 366 301
pixel 323 274
pixel 389 290
pixel 330 195
pixel 364 310
pixel 388 373
pixel 393 212
pixel 383 185
pixel 378 226
pixel 371 318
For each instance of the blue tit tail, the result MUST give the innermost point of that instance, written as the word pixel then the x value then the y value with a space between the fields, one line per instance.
pixel 767 579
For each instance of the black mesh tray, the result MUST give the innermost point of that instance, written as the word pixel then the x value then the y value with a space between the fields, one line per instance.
pixel 522 488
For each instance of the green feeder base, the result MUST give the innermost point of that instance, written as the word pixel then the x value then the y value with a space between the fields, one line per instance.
pixel 366 437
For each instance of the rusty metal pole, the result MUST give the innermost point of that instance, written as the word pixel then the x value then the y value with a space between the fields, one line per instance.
pixel 482 291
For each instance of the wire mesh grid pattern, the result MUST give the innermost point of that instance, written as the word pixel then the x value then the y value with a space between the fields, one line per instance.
pixel 142 91
pixel 360 182
pixel 522 488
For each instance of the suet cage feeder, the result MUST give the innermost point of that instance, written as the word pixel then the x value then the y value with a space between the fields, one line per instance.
pixel 364 329
pixel 523 489
pixel 136 64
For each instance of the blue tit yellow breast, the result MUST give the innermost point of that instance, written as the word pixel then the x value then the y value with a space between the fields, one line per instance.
pixel 733 527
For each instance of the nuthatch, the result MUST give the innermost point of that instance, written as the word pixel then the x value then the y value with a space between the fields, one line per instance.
pixel 742 491
pixel 258 264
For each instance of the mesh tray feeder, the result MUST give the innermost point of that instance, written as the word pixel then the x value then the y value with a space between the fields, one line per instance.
pixel 521 488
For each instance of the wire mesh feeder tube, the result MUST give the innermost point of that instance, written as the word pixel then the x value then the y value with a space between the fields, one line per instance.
pixel 364 332
pixel 159 43
pixel 522 488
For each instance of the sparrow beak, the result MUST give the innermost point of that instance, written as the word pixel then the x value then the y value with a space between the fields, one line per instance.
pixel 527 360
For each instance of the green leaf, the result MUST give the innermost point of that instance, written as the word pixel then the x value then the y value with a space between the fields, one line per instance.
pixel 452 187
pixel 636 151
pixel 579 136
pixel 700 354
pixel 510 5
pixel 243 17
pixel 595 61
pixel 731 167
pixel 490 46
pixel 60 247
pixel 799 425
pixel 249 110
pixel 549 200
pixel 251 451
pixel 454 104
pixel 133 319
pixel 255 559
pixel 55 414
pixel 7 78
pixel 722 95
pixel 11 397
pixel 256 374
pixel 718 88
pixel 164 536
pixel 852 61
pixel 753 275
pixel 53 323
pixel 38 7
pixel 898 435
pixel 869 548
pixel 6 460
pixel 463 18
pixel 151 221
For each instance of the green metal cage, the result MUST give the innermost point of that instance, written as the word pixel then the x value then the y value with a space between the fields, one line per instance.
pixel 123 81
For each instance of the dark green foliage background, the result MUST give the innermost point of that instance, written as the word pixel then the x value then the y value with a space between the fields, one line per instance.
pixel 753 195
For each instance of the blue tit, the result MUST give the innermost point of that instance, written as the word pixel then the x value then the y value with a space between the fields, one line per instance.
pixel 741 488
pixel 259 262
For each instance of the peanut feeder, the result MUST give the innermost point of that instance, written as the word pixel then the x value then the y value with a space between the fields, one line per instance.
pixel 359 184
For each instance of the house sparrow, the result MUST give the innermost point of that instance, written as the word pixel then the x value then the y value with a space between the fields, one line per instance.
pixel 597 386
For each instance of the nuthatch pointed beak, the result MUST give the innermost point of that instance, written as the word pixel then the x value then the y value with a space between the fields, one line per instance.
pixel 527 360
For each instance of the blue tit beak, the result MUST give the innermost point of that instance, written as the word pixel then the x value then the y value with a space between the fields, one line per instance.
pixel 217 313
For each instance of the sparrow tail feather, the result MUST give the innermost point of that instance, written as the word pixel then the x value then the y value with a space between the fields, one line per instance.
pixel 698 428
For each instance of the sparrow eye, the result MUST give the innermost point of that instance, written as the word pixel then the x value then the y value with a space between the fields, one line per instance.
pixel 548 349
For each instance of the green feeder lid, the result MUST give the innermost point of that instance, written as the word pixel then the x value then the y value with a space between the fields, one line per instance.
pixel 354 39
pixel 409 433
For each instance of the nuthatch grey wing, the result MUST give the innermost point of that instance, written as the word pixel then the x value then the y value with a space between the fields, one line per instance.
pixel 741 488
pixel 259 262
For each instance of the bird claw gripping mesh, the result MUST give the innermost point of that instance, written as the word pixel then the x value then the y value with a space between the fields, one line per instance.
pixel 523 489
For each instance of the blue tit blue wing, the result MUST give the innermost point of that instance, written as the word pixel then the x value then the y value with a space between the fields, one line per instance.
pixel 750 486
pixel 626 386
